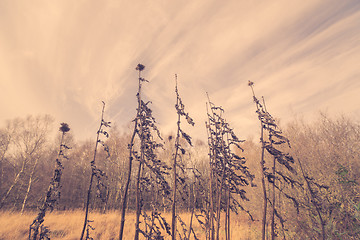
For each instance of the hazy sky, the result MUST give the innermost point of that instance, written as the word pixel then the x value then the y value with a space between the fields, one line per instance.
pixel 64 57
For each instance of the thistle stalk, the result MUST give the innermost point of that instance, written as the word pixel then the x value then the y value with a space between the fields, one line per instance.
pixel 131 155
pixel 180 108
pixel 53 192
pixel 95 172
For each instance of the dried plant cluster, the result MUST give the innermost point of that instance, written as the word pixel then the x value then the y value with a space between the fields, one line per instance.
pixel 37 229
pixel 228 172
pixel 151 172
pixel 282 177
pixel 181 187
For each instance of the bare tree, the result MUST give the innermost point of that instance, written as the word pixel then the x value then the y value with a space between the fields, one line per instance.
pixel 6 140
pixel 29 141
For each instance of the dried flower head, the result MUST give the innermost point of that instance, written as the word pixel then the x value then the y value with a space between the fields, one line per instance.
pixel 140 67
pixel 250 83
pixel 64 127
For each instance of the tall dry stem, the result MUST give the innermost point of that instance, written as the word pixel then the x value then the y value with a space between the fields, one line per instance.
pixel 139 67
pixel 180 108
pixel 53 192
pixel 95 172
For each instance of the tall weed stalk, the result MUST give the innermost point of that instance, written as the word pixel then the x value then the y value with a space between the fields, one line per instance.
pixel 283 171
pixel 177 162
pixel 150 176
pixel 37 230
pixel 151 172
pixel 97 173
pixel 139 68
pixel 228 172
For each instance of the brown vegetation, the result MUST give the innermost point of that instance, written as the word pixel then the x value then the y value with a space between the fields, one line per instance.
pixel 67 225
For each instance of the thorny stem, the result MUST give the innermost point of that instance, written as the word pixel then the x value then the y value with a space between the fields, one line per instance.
pixel 124 199
pixel 273 186
pixel 219 186
pixel 262 163
pixel 273 202
pixel 148 159
pixel 219 205
pixel 212 176
pixel 173 222
pixel 92 174
pixel 211 154
pixel 138 190
pixel 219 199
pixel 131 145
pixel 227 213
pixel 36 224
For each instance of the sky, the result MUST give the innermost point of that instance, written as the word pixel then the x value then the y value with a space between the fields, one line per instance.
pixel 64 57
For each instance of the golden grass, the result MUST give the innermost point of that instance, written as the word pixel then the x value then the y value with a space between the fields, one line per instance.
pixel 68 225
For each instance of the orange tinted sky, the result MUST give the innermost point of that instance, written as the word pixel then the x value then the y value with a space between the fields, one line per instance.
pixel 64 57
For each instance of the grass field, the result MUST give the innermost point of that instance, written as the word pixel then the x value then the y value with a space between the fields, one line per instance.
pixel 68 225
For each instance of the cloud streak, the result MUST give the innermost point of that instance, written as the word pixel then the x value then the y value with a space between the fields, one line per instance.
pixel 63 58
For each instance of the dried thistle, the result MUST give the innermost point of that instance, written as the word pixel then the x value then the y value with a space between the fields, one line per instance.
pixel 64 127
pixel 151 170
pixel 140 67
pixel 53 193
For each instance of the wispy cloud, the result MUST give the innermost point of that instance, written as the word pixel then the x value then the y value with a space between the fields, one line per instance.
pixel 64 57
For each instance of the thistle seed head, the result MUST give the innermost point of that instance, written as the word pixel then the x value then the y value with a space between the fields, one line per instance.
pixel 140 67
pixel 64 127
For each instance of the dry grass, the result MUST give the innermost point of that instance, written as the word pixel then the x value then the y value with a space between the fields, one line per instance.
pixel 68 225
